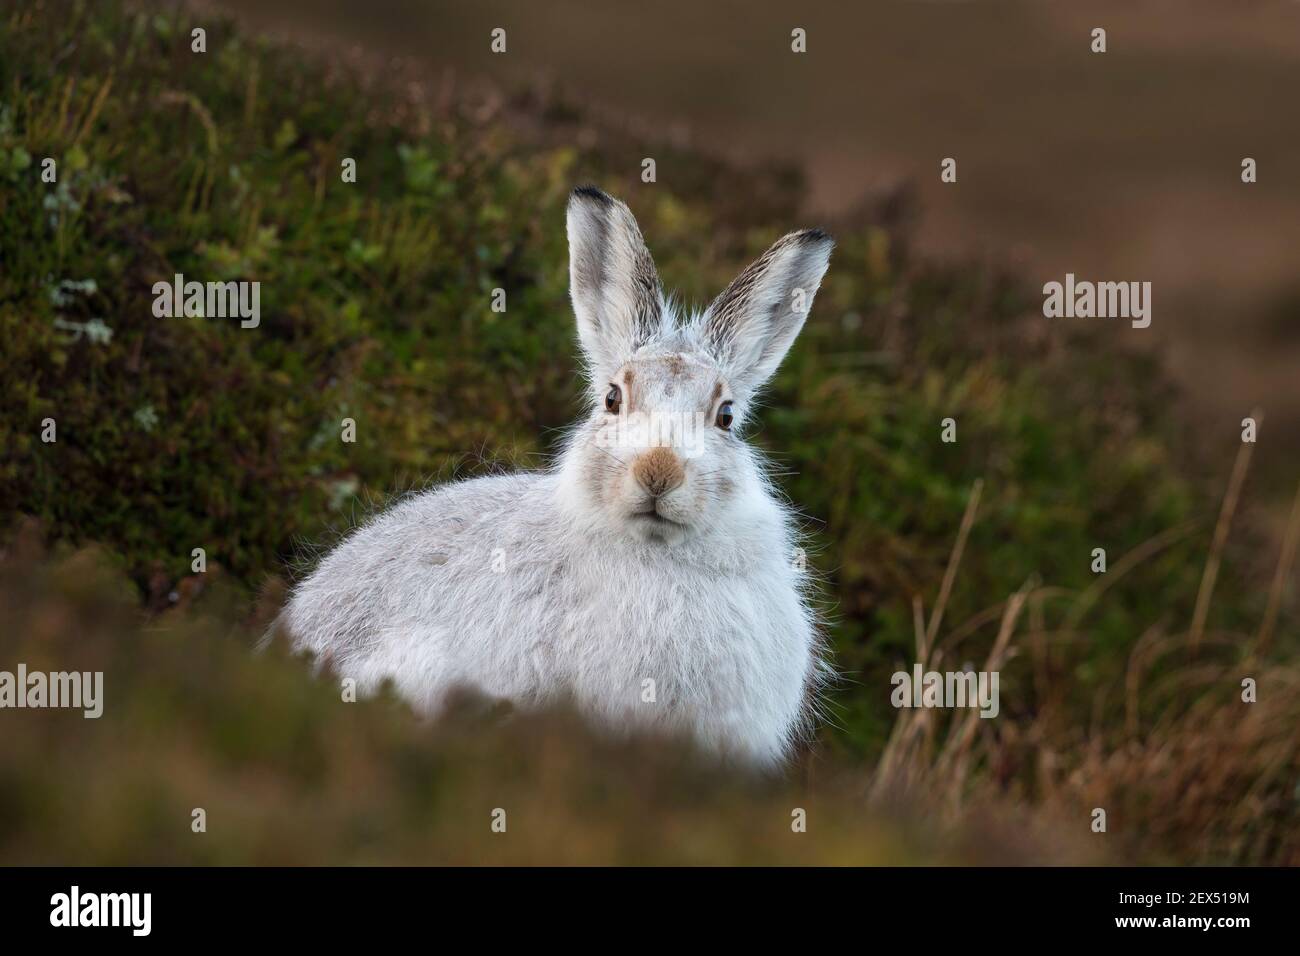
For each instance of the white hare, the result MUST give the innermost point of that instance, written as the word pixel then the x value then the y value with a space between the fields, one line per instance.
pixel 650 576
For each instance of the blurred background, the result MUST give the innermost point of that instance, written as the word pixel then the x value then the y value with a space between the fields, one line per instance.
pixel 1124 165
pixel 1120 690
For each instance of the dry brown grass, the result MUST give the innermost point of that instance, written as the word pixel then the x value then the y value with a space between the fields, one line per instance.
pixel 1198 774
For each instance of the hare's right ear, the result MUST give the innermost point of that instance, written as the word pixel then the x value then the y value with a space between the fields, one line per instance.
pixel 615 288
pixel 752 324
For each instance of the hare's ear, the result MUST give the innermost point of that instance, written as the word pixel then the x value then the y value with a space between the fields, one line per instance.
pixel 753 323
pixel 617 298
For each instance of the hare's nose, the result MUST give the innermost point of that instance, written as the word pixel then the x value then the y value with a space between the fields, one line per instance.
pixel 659 471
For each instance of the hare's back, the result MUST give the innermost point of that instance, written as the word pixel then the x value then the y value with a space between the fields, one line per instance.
pixel 410 564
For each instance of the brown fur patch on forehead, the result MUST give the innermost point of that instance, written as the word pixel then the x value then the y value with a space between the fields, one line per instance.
pixel 676 363
pixel 667 372
pixel 629 376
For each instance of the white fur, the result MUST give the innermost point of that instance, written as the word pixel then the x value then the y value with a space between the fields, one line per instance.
pixel 537 586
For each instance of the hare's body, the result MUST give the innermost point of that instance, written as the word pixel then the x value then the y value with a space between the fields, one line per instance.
pixel 490 584
pixel 651 576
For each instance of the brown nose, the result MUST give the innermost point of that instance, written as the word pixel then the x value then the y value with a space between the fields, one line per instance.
pixel 659 471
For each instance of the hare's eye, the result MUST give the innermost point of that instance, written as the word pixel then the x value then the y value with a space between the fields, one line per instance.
pixel 613 399
pixel 724 416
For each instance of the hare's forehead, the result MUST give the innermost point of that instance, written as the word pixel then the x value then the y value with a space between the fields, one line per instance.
pixel 671 378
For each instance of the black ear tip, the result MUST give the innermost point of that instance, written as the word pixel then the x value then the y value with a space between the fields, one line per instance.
pixel 810 236
pixel 592 193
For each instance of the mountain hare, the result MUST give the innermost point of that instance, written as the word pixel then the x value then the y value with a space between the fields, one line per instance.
pixel 651 575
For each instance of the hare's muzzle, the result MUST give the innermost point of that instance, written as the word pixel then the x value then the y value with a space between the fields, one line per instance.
pixel 659 471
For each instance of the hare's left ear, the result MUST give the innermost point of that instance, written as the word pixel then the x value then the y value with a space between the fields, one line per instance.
pixel 752 324
pixel 617 298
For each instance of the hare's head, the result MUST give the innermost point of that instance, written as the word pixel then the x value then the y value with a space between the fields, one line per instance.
pixel 661 454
